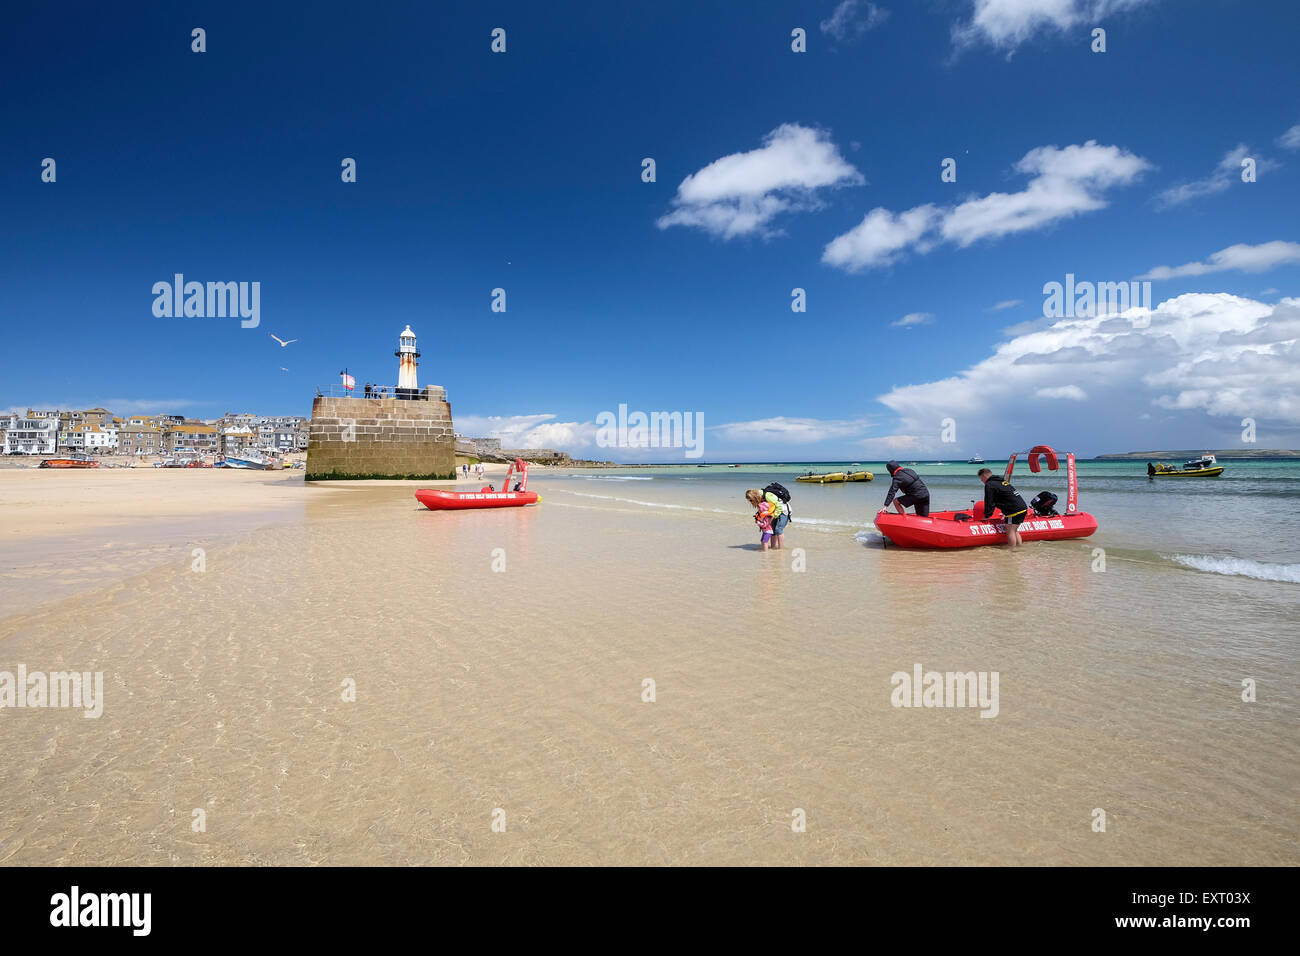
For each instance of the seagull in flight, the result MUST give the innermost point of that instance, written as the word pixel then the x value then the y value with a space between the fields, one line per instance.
pixel 282 342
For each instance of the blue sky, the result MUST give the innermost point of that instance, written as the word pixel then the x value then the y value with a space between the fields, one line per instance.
pixel 775 170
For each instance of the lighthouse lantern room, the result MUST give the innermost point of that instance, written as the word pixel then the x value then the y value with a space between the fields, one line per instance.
pixel 407 353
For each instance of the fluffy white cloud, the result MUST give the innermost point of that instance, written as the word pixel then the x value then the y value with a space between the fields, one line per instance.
pixel 790 430
pixel 1065 182
pixel 1224 175
pixel 740 194
pixel 852 18
pixel 1006 24
pixel 1242 257
pixel 529 431
pixel 1073 392
pixel 1197 357
pixel 1290 139
pixel 914 318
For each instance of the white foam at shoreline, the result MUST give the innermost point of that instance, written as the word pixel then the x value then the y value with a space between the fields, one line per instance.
pixel 1242 567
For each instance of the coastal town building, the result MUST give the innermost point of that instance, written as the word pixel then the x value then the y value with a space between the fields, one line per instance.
pixel 191 438
pixel 96 431
pixel 31 435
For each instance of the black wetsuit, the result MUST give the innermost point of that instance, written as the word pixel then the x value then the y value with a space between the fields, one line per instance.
pixel 999 493
pixel 915 493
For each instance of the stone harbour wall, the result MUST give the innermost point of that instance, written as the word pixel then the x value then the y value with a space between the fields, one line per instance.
pixel 381 438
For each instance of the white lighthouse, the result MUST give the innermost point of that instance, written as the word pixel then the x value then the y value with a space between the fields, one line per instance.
pixel 406 354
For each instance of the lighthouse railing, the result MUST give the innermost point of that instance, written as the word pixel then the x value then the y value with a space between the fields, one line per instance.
pixel 362 390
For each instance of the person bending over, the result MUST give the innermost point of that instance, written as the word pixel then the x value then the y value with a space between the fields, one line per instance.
pixel 998 493
pixel 914 492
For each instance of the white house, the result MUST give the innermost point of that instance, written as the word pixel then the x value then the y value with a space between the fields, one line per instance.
pixel 102 440
pixel 31 436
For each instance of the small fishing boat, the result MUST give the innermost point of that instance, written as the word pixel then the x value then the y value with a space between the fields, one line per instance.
pixel 1207 466
pixel 971 527
pixel 253 462
pixel 975 460
pixel 438 500
pixel 834 476
pixel 860 476
pixel 72 461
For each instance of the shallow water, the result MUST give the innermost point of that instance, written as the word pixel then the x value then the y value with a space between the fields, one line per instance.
pixel 521 689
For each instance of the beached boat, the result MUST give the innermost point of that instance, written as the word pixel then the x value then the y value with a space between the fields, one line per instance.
pixel 970 527
pixel 72 461
pixel 1207 466
pixel 253 462
pixel 435 499
pixel 834 476
pixel 860 476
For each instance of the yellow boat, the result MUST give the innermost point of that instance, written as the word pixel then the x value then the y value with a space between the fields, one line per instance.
pixel 834 476
pixel 1207 466
pixel 861 476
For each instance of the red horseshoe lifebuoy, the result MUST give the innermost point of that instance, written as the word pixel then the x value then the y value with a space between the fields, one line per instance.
pixel 1046 450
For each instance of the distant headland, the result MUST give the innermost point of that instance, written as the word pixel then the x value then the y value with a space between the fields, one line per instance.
pixel 1197 452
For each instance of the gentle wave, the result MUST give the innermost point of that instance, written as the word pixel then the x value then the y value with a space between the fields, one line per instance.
pixel 1242 567
pixel 651 504
pixel 798 522
pixel 613 477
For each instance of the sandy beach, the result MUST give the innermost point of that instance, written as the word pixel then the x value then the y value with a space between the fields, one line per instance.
pixel 499 662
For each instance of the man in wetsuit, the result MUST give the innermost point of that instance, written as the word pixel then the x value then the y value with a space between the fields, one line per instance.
pixel 998 493
pixel 914 491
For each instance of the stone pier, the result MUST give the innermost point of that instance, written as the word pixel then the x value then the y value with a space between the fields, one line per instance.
pixel 382 437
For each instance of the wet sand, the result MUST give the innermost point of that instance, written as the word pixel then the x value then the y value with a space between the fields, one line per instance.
pixel 521 689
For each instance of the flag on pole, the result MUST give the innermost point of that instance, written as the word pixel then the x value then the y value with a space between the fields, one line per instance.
pixel 349 382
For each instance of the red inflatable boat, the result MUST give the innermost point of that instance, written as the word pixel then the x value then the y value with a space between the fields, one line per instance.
pixel 970 528
pixel 488 497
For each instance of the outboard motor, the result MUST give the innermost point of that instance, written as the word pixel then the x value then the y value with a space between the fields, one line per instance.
pixel 1044 504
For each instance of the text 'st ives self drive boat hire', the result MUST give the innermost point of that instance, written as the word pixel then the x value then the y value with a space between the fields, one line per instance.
pixel 970 528
pixel 438 500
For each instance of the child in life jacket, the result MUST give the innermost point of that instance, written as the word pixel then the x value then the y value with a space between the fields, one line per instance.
pixel 763 514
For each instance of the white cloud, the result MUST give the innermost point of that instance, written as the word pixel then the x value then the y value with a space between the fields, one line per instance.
pixel 790 430
pixel 1290 139
pixel 1004 304
pixel 740 194
pixel 1224 175
pixel 1242 257
pixel 1006 24
pixel 1073 392
pixel 529 431
pixel 879 238
pixel 914 318
pixel 1213 358
pixel 852 18
pixel 1065 182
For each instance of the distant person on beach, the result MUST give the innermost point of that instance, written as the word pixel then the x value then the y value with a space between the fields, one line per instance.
pixel 479 469
pixel 914 492
pixel 998 493
pixel 762 515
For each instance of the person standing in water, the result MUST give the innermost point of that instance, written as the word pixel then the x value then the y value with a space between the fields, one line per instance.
pixel 998 493
pixel 915 493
